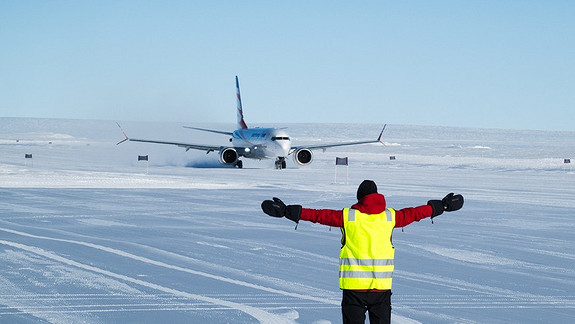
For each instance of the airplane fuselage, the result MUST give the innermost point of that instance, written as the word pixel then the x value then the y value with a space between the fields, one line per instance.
pixel 262 143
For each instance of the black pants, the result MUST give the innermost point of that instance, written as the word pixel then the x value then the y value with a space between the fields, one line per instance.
pixel 354 304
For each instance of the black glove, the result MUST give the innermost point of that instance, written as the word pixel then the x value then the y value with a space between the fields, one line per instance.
pixel 449 203
pixel 277 208
pixel 452 202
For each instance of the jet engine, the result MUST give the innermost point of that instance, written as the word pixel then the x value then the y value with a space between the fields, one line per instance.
pixel 228 155
pixel 303 156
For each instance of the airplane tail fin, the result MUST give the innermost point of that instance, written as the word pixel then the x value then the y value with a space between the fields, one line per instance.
pixel 241 122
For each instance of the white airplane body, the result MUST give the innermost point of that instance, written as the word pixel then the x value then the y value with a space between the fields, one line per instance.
pixel 255 143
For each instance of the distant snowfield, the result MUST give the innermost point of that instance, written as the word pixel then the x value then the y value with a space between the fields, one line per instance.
pixel 89 234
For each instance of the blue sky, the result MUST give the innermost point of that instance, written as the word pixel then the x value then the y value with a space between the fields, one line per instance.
pixel 485 64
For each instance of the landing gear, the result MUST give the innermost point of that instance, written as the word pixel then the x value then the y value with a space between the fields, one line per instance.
pixel 239 164
pixel 280 163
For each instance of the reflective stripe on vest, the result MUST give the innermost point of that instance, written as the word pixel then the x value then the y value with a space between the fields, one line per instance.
pixel 366 257
pixel 366 262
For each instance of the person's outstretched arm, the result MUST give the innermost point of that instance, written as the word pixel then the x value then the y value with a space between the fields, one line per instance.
pixel 277 208
pixel 406 216
pixel 327 217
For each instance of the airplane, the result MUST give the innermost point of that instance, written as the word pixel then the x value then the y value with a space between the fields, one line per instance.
pixel 254 143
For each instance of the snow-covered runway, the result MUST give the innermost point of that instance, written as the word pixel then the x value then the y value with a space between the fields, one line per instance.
pixel 86 235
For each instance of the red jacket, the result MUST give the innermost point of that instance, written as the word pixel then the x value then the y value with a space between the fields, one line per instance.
pixel 370 204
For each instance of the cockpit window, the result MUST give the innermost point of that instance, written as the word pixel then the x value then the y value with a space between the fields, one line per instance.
pixel 280 138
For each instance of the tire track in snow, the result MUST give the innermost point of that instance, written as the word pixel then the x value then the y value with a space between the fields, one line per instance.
pixel 259 314
pixel 488 301
pixel 177 268
pixel 101 303
pixel 452 283
pixel 122 308
pixel 484 296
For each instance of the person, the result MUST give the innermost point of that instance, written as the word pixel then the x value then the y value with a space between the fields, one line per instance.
pixel 366 260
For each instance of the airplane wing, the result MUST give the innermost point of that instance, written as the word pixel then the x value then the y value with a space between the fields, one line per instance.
pixel 326 146
pixel 187 146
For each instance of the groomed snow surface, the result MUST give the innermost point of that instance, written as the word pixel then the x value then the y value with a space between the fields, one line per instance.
pixel 90 235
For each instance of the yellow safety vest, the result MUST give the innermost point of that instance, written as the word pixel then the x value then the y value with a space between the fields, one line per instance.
pixel 366 257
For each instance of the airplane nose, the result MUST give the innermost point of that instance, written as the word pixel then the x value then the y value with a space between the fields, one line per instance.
pixel 283 148
pixel 286 147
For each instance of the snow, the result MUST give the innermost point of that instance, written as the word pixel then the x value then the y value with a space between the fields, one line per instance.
pixel 90 235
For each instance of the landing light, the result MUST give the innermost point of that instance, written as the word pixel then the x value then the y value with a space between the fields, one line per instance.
pixel 247 150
